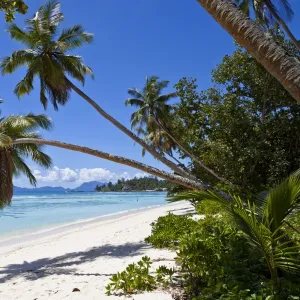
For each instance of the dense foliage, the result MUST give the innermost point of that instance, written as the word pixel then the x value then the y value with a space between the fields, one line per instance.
pixel 217 262
pixel 135 184
pixel 265 231
pixel 244 126
pixel 167 230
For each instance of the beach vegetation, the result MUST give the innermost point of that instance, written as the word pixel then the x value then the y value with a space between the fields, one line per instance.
pixel 167 230
pixel 137 278
pixel 248 249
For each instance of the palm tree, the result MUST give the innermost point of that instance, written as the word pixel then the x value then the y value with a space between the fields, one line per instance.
pixel 284 67
pixel 12 156
pixel 263 222
pixel 154 113
pixel 265 11
pixel 47 58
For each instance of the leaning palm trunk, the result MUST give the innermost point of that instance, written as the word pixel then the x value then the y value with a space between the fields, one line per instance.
pixel 192 156
pixel 191 184
pixel 284 67
pixel 134 137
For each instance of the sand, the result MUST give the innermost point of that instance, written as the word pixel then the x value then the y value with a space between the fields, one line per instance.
pixel 82 256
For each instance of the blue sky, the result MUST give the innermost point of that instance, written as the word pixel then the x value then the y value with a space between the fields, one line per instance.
pixel 133 38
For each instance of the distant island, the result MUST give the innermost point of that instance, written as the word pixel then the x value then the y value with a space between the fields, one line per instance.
pixel 132 185
pixel 84 187
pixel 151 184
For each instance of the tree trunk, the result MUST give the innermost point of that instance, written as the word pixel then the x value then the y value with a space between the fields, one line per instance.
pixel 284 25
pixel 284 67
pixel 192 156
pixel 134 137
pixel 121 160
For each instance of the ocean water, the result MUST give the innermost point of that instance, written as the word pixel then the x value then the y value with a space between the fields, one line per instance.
pixel 34 212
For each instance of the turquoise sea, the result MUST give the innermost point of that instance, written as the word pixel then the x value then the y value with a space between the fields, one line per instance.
pixel 42 211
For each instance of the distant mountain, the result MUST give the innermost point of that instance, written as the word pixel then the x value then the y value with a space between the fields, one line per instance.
pixel 85 187
pixel 40 190
pixel 88 186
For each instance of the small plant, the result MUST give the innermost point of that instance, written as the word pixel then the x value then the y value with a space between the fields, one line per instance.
pixel 167 230
pixel 136 278
pixel 133 279
pixel 164 275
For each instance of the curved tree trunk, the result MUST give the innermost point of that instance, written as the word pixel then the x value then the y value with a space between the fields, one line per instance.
pixel 192 156
pixel 134 137
pixel 284 67
pixel 121 160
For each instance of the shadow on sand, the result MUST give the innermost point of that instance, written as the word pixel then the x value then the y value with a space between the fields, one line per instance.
pixel 57 265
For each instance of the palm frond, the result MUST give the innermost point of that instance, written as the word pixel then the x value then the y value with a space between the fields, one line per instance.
pixel 134 102
pixel 50 14
pixel 24 124
pixel 5 140
pixel 134 92
pixel 21 167
pixel 18 59
pixel 74 66
pixel 74 37
pixel 282 200
pixel 18 34
pixel 166 97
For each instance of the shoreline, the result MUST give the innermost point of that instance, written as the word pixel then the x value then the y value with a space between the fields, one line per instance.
pixel 36 234
pixel 84 257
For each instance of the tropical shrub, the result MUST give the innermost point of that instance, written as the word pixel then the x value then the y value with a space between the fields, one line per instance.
pixel 264 232
pixel 137 278
pixel 167 230
pixel 215 259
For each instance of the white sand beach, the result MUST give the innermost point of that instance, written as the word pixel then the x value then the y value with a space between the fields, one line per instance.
pixel 82 256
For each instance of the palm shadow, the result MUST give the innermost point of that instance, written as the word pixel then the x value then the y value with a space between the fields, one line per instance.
pixel 49 266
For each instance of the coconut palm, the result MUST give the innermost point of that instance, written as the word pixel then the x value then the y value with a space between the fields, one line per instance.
pixel 12 157
pixel 263 222
pixel 266 11
pixel 153 107
pixel 154 114
pixel 47 58
pixel 284 67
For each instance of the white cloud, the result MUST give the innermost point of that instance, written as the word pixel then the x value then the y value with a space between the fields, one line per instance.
pixel 78 176
pixel 141 175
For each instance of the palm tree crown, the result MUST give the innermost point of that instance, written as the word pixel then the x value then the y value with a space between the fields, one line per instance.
pixel 46 55
pixel 152 105
pixel 12 156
